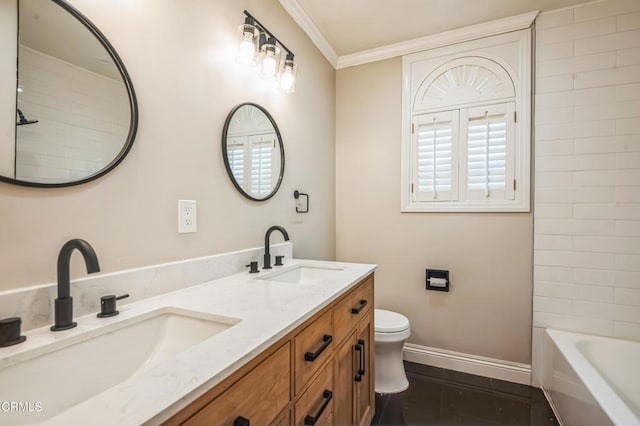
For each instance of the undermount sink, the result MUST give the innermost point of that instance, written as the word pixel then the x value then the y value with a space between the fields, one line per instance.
pixel 68 375
pixel 302 274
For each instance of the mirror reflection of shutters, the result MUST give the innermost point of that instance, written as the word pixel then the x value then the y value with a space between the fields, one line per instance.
pixel 489 160
pixel 235 156
pixel 435 166
pixel 262 147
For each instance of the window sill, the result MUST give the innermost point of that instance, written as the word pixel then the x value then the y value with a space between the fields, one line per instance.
pixel 466 207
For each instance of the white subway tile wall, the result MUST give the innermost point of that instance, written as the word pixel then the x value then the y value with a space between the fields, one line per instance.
pixel 84 115
pixel 587 169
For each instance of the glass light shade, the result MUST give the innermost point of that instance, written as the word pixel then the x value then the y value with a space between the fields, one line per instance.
pixel 288 75
pixel 270 60
pixel 248 39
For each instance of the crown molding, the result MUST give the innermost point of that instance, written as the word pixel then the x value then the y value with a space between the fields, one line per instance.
pixel 446 38
pixel 298 14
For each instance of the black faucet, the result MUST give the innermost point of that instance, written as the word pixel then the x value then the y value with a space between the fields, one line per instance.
pixel 64 302
pixel 267 254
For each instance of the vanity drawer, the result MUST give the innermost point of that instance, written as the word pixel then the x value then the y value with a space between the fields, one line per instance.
pixel 259 396
pixel 352 309
pixel 313 346
pixel 317 401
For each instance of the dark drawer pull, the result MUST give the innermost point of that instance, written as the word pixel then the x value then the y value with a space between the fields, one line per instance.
pixel 358 377
pixel 326 341
pixel 362 359
pixel 311 420
pixel 241 421
pixel 360 307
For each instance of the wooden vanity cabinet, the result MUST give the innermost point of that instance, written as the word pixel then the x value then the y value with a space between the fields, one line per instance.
pixel 321 373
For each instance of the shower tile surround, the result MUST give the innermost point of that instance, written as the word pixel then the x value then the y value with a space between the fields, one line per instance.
pixel 35 304
pixel 587 172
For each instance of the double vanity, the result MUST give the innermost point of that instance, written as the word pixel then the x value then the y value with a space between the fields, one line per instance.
pixel 197 341
pixel 292 345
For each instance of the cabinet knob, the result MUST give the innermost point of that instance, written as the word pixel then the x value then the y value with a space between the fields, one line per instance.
pixel 241 421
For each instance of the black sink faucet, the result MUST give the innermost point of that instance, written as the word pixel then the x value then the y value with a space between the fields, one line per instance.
pixel 267 254
pixel 64 302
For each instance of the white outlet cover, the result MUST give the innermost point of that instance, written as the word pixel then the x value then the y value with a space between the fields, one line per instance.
pixel 187 216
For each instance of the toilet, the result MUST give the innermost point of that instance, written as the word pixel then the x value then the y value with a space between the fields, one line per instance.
pixel 391 331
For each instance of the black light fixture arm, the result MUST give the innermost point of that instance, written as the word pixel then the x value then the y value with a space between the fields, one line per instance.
pixel 264 29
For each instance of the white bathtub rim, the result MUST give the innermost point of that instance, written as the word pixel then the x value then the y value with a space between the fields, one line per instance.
pixel 607 398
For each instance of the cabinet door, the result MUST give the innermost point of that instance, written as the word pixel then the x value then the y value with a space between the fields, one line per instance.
pixel 344 368
pixel 258 397
pixel 315 406
pixel 365 368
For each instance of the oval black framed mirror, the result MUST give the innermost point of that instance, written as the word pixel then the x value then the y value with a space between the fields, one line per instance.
pixel 75 109
pixel 253 151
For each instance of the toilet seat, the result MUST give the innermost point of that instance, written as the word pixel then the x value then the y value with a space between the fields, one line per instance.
pixel 390 322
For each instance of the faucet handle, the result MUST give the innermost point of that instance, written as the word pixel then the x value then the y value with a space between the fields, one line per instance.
pixel 10 332
pixel 108 305
pixel 253 267
pixel 279 260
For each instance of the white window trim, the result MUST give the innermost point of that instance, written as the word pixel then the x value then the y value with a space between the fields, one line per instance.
pixel 522 166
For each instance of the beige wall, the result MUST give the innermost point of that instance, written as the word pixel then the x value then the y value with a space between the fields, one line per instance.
pixel 488 311
pixel 8 49
pixel 180 56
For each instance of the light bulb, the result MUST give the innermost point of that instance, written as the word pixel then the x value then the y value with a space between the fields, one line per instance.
pixel 247 49
pixel 270 63
pixel 269 66
pixel 287 79
pixel 288 74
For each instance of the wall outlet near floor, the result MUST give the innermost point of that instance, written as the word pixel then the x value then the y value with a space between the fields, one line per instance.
pixel 187 216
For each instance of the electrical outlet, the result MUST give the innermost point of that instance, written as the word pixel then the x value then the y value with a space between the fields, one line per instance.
pixel 187 216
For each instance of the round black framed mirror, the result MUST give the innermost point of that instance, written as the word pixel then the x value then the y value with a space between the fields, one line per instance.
pixel 75 109
pixel 253 151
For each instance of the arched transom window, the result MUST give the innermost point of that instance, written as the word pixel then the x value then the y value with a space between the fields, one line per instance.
pixel 465 148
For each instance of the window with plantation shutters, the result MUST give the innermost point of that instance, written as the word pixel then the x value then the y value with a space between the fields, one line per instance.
pixel 435 166
pixel 262 147
pixel 488 152
pixel 251 160
pixel 466 126
pixel 235 156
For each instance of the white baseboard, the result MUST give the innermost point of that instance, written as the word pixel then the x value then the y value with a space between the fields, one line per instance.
pixel 471 364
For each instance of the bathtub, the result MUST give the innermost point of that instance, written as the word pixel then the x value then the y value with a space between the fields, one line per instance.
pixel 592 380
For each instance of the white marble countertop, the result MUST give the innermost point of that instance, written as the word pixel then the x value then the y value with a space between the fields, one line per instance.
pixel 267 311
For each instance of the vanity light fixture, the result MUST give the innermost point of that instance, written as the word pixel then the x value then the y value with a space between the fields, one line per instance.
pixel 267 54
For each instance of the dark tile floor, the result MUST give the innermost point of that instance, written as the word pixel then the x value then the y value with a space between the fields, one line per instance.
pixel 444 397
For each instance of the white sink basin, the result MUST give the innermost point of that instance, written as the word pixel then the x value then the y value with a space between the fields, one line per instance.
pixel 88 366
pixel 302 274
